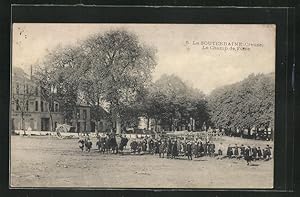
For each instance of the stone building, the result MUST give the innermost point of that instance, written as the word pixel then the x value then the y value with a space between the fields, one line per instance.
pixel 28 108
pixel 82 118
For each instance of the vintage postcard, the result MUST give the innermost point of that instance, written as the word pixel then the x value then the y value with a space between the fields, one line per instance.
pixel 142 105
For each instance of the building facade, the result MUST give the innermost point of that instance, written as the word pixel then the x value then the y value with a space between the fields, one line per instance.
pixel 81 118
pixel 30 111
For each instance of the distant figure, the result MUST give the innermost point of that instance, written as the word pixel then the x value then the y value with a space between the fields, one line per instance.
pixel 174 150
pixel 169 148
pixel 242 150
pixel 267 153
pixel 236 152
pixel 229 152
pixel 123 143
pixel 81 144
pixel 88 145
pixel 254 153
pixel 162 148
pixel 220 148
pixel 134 146
pixel 189 150
pixel 151 146
pixel 259 153
pixel 248 155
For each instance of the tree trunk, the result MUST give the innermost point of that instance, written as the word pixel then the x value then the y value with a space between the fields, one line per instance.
pixel 118 126
pixel 148 123
pixel 22 122
pixel 249 132
pixel 51 118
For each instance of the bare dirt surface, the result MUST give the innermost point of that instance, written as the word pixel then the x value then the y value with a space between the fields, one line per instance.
pixel 52 162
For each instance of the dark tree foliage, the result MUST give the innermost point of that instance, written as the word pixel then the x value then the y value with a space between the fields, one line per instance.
pixel 111 68
pixel 244 105
pixel 172 102
pixel 121 67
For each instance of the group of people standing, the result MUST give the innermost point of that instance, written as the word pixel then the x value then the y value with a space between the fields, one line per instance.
pixel 173 148
pixel 178 147
pixel 249 153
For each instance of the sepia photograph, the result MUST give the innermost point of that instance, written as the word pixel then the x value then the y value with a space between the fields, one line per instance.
pixel 115 105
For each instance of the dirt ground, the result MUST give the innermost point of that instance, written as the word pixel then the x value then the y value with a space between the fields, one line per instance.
pixel 51 162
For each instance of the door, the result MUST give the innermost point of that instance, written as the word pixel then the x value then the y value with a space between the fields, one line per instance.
pixel 92 126
pixel 78 127
pixel 45 123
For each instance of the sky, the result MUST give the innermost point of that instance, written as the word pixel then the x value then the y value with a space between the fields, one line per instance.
pixel 187 50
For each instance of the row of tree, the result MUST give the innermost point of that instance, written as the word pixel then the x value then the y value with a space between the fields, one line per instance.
pixel 113 70
pixel 244 105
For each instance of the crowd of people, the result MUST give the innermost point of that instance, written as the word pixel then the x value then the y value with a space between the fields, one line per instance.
pixel 173 148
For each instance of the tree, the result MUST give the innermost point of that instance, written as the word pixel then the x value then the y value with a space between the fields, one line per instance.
pixel 172 102
pixel 59 76
pixel 244 105
pixel 121 68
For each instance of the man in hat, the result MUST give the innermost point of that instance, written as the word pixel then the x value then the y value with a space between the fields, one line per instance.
pixel 268 152
pixel 81 144
pixel 220 149
pixel 242 150
pixel 189 150
pixel 88 144
pixel 174 149
pixel 162 148
pixel 236 151
pixel 254 153
pixel 259 153
pixel 248 155
pixel 229 151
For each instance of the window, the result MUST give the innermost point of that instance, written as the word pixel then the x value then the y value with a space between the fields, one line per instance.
pixel 56 107
pixel 84 114
pixel 17 88
pixel 84 126
pixel 78 127
pixel 36 90
pixel 17 105
pixel 78 114
pixel 42 106
pixel 36 106
pixel 27 105
pixel 52 106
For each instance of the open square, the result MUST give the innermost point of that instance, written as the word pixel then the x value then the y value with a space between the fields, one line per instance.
pixel 51 162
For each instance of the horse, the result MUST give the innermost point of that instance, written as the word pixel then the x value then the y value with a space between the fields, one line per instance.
pixel 123 143
pixel 112 144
